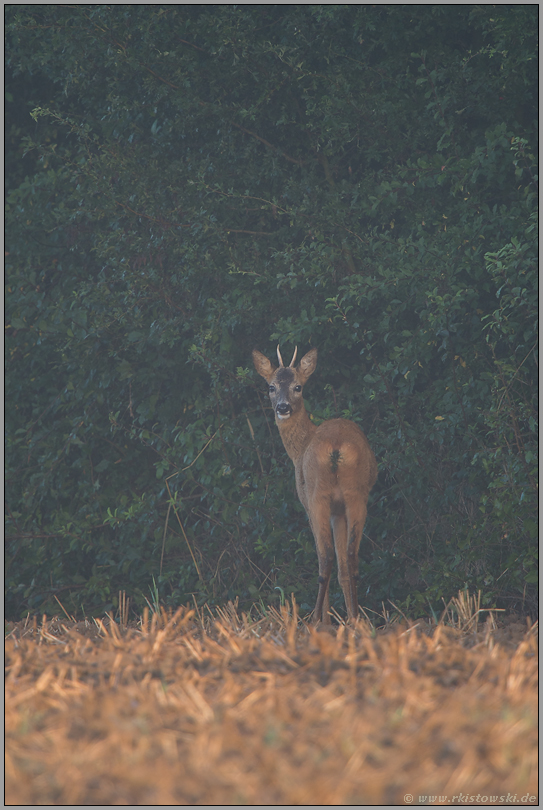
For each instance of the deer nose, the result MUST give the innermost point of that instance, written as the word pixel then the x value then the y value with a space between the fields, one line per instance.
pixel 283 409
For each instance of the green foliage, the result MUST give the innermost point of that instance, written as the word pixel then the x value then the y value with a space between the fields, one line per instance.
pixel 188 182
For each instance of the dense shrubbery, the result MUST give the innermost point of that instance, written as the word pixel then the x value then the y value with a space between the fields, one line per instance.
pixel 201 180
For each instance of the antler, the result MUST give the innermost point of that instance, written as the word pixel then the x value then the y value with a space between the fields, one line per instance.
pixel 281 365
pixel 293 356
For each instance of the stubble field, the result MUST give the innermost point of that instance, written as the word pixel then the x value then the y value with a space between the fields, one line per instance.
pixel 221 709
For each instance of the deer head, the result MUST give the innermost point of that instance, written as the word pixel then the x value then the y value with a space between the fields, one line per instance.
pixel 285 384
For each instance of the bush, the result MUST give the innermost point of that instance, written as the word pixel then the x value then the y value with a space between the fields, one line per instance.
pixel 197 181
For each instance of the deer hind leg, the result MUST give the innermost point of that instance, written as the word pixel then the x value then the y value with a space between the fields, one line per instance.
pixel 326 606
pixel 320 525
pixel 322 606
pixel 345 564
pixel 352 558
pixel 356 518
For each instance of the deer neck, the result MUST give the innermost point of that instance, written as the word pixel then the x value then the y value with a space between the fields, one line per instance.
pixel 296 433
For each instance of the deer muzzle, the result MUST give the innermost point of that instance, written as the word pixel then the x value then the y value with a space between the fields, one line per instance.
pixel 283 410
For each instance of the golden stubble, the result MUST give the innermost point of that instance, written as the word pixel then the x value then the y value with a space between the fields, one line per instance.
pixel 226 709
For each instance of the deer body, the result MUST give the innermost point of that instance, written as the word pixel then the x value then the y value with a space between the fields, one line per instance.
pixel 335 470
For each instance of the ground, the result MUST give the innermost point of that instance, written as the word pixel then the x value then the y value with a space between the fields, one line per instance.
pixel 222 708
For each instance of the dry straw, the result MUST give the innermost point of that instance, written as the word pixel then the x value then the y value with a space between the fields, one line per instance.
pixel 215 707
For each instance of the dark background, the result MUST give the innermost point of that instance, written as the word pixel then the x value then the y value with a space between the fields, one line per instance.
pixel 186 183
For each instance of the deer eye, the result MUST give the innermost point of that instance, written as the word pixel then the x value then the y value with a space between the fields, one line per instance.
pixel 271 389
pixel 297 388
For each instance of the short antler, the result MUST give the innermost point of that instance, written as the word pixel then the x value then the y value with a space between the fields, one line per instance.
pixel 293 357
pixel 281 365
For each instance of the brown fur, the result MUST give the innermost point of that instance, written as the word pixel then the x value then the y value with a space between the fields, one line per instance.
pixel 335 470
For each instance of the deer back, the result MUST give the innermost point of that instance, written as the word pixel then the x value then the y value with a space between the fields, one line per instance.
pixel 328 459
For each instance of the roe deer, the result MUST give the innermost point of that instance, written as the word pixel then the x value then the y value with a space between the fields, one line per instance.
pixel 335 470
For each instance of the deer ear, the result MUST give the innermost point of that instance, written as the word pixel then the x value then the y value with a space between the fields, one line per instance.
pixel 263 365
pixel 308 364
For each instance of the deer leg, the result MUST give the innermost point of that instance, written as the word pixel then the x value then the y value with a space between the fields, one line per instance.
pixel 344 563
pixel 356 517
pixel 320 526
pixel 326 606
pixel 352 558
pixel 326 559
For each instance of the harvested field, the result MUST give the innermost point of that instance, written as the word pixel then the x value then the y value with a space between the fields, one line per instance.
pixel 228 710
